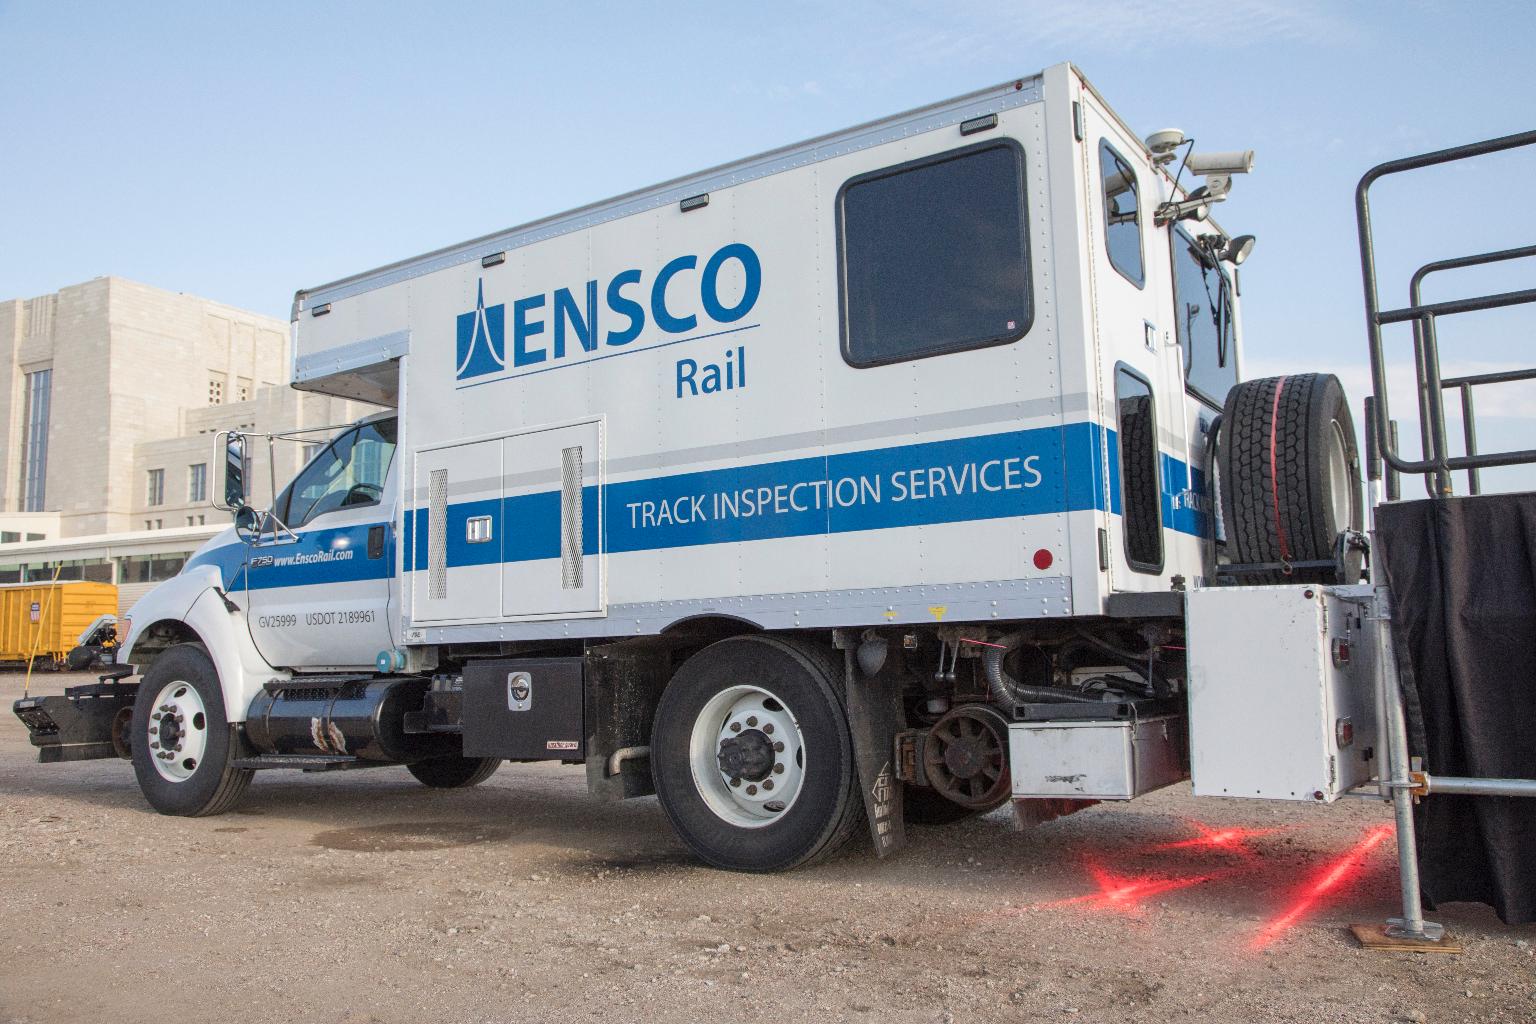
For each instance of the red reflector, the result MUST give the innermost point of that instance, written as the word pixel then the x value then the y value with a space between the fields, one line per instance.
pixel 1043 559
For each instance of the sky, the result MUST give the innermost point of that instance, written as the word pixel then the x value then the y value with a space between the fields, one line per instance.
pixel 242 151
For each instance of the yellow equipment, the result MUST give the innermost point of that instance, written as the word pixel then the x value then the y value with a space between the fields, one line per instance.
pixel 43 621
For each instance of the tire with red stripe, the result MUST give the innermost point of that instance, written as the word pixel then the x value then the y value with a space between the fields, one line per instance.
pixel 1290 476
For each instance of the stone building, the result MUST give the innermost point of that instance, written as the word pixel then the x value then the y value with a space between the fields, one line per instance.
pixel 111 394
pixel 95 369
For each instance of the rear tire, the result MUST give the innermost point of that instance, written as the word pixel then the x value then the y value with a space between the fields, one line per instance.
pixel 769 714
pixel 181 699
pixel 1290 476
pixel 454 772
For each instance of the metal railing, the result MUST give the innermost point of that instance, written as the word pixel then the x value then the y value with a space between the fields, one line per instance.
pixel 1437 464
pixel 1397 780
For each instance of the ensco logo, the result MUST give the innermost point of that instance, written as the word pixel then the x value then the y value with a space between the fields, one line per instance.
pixel 569 324
pixel 482 338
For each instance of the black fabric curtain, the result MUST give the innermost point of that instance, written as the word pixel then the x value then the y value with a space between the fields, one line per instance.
pixel 1462 576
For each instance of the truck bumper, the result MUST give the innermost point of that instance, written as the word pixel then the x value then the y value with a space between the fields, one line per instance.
pixel 87 722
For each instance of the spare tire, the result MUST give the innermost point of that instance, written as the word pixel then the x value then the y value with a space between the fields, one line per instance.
pixel 1290 478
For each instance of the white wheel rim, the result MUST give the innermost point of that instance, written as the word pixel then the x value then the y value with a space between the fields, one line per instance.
pixel 751 721
pixel 178 731
pixel 1338 479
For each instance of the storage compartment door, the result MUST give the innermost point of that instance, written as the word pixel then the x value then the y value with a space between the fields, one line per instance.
pixel 552 508
pixel 456 538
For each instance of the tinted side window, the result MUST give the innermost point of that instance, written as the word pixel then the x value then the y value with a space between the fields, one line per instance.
pixel 350 472
pixel 1202 298
pixel 934 256
pixel 1122 215
pixel 1141 494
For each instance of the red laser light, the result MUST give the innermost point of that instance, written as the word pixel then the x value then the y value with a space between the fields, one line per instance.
pixel 1340 871
pixel 1233 839
pixel 1124 894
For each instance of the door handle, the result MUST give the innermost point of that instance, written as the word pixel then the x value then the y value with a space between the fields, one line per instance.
pixel 376 541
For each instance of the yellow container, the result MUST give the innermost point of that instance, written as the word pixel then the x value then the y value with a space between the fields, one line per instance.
pixel 48 618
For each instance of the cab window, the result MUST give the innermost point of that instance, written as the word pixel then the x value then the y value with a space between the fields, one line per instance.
pixel 1141 493
pixel 1122 215
pixel 349 473
pixel 1203 307
pixel 934 256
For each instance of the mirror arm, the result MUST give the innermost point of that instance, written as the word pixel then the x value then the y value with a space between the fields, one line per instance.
pixel 272 516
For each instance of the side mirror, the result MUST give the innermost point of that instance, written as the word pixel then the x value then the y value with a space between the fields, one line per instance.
pixel 247 523
pixel 233 461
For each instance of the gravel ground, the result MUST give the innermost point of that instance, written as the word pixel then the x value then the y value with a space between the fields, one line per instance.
pixel 363 897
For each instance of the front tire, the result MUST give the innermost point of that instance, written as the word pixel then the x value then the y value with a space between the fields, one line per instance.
pixel 183 747
pixel 453 771
pixel 752 757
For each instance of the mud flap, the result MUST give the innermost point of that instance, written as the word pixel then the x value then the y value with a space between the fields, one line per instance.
pixel 875 716
pixel 623 684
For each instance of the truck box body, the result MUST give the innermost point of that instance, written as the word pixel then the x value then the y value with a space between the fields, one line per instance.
pixel 702 400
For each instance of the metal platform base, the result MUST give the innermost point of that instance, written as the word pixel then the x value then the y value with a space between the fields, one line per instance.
pixel 1375 937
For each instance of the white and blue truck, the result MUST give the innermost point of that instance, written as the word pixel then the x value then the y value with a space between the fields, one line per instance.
pixel 856 483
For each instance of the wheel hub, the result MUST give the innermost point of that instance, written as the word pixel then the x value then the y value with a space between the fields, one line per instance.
pixel 747 755
pixel 178 731
pixel 965 756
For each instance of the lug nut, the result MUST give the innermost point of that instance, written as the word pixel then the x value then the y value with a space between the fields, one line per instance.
pixel 768 728
pixel 778 769
pixel 154 731
pixel 735 727
pixel 779 747
pixel 156 716
pixel 155 745
pixel 767 783
pixel 736 782
pixel 751 791
pixel 752 721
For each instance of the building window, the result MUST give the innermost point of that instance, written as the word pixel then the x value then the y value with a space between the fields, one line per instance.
pixel 216 389
pixel 1122 215
pixel 36 536
pixel 934 256
pixel 149 568
pixel 197 482
pixel 1141 495
pixel 34 443
pixel 1203 301
pixel 202 520
pixel 9 537
pixel 149 524
pixel 154 490
pixel 242 389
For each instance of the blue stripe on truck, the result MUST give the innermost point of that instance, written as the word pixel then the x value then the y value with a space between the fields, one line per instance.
pixel 993 476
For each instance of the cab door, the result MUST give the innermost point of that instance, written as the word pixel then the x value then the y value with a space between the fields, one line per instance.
pixel 1134 346
pixel 318 580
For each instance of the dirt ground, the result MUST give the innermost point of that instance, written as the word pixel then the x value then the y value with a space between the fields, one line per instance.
pixel 363 897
